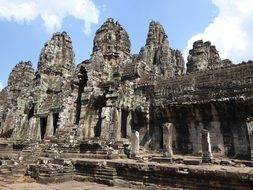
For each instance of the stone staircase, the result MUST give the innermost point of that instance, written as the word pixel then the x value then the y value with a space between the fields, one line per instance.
pixel 66 134
pixel 92 160
pixel 95 171
pixel 97 149
pixel 54 159
pixel 8 160
pixel 49 170
pixel 62 161
pixel 15 157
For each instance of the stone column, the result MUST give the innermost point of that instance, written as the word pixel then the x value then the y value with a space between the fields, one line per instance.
pixel 31 134
pixel 79 132
pixel 105 124
pixel 250 134
pixel 88 121
pixel 128 127
pixel 207 155
pixel 50 125
pixel 135 143
pixel 38 131
pixel 167 140
pixel 83 122
pixel 110 125
pixel 118 125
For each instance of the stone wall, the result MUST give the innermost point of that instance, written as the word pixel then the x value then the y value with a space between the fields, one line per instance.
pixel 222 84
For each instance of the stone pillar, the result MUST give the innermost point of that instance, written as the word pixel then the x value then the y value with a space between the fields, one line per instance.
pixel 135 143
pixel 129 120
pixel 118 125
pixel 87 122
pixel 105 124
pixel 250 134
pixel 17 127
pixel 50 125
pixel 84 125
pixel 110 125
pixel 167 140
pixel 79 134
pixel 38 131
pixel 32 128
pixel 207 155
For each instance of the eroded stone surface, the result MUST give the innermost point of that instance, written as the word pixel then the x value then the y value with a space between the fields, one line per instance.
pixel 158 55
pixel 18 99
pixel 204 56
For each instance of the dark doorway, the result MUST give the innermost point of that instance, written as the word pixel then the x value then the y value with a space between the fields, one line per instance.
pixel 182 139
pixel 31 112
pixel 124 114
pixel 43 125
pixel 182 132
pixel 228 123
pixel 160 129
pixel 55 121
pixel 98 105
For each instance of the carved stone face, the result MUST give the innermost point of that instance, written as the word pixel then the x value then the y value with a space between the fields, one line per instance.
pixel 203 56
pixel 200 58
pixel 112 40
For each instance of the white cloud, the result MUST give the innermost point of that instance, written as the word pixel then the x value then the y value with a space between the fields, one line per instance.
pixel 231 30
pixel 1 86
pixel 52 12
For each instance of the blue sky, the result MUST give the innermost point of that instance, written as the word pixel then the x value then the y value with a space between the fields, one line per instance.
pixel 25 25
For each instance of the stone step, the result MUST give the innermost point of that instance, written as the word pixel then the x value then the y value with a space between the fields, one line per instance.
pixel 161 159
pixel 5 171
pixel 99 151
pixel 98 175
pixel 9 154
pixel 98 156
pixel 192 161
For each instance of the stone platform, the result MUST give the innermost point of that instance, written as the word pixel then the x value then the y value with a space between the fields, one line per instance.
pixel 48 164
pixel 149 174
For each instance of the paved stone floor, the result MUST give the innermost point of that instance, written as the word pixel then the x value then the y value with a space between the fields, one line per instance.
pixel 70 185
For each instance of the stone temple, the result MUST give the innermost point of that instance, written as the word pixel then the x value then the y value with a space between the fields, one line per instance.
pixel 134 119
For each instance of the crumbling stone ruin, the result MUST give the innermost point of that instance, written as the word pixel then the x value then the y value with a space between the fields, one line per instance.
pixel 108 118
